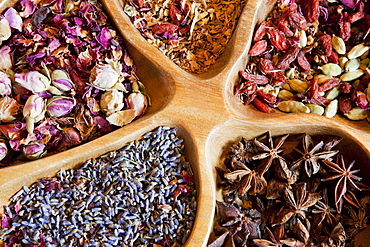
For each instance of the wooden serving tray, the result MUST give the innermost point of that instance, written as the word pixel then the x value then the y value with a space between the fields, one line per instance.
pixel 203 108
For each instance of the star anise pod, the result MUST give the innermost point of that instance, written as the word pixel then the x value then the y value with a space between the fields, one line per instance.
pixel 346 181
pixel 248 181
pixel 355 220
pixel 336 238
pixel 242 151
pixel 310 157
pixel 323 211
pixel 270 152
pixel 297 202
pixel 274 239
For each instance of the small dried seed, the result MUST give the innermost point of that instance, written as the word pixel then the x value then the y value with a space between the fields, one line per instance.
pixel 338 45
pixel 316 109
pixel 331 109
pixel 331 69
pixel 352 75
pixel 285 94
pixel 298 85
pixel 322 78
pixel 333 93
pixel 357 51
pixel 357 113
pixel 342 61
pixel 293 106
pixel 352 65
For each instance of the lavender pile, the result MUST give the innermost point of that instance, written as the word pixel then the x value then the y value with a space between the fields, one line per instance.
pixel 285 192
pixel 140 195
pixel 65 78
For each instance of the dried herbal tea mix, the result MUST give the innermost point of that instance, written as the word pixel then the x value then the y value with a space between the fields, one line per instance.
pixel 140 195
pixel 65 78
pixel 311 57
pixel 191 33
pixel 288 192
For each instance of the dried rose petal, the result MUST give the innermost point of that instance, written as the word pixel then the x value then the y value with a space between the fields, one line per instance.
pixel 34 151
pixel 14 19
pixel 3 149
pixel 122 118
pixel 28 7
pixel 5 31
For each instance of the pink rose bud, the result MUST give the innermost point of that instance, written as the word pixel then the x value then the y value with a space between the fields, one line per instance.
pixel 5 58
pixel 61 80
pixel 9 107
pixel 5 84
pixel 3 150
pixel 60 106
pixel 5 30
pixel 34 111
pixel 104 76
pixel 34 151
pixel 33 81
pixel 111 102
pixel 138 102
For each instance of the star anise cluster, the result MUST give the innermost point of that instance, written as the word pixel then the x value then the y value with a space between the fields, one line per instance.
pixel 286 191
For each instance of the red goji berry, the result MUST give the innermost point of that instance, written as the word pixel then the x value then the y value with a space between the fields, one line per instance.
pixel 345 87
pixel 258 48
pixel 266 97
pixel 344 104
pixel 261 105
pixel 261 31
pixel 174 14
pixel 296 18
pixel 283 27
pixel 258 79
pixel 310 9
pixel 277 39
pixel 303 63
pixel 246 88
pixel 288 57
pixel 162 28
pixel 314 89
pixel 325 42
pixel 329 84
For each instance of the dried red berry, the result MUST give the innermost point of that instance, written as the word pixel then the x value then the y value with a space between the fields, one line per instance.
pixel 329 84
pixel 261 105
pixel 344 104
pixel 257 79
pixel 162 28
pixel 258 48
pixel 277 39
pixel 345 87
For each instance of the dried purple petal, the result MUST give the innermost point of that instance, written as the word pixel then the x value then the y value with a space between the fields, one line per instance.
pixel 104 37
pixel 40 15
pixel 350 3
pixel 3 149
pixel 28 7
pixel 14 19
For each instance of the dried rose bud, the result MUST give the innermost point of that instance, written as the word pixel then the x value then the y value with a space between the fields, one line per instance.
pixel 5 30
pixel 60 106
pixel 5 84
pixel 5 58
pixel 61 80
pixel 34 111
pixel 138 102
pixel 34 151
pixel 9 107
pixel 112 101
pixel 104 76
pixel 33 81
pixel 3 149
pixel 122 118
pixel 14 19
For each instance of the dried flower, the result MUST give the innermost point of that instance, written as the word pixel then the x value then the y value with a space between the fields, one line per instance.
pixel 5 31
pixel 122 118
pixel 33 81
pixel 112 101
pixel 34 111
pixel 5 84
pixel 61 80
pixel 14 19
pixel 9 108
pixel 138 102
pixel 5 58
pixel 104 76
pixel 60 106
pixel 34 151
pixel 3 149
